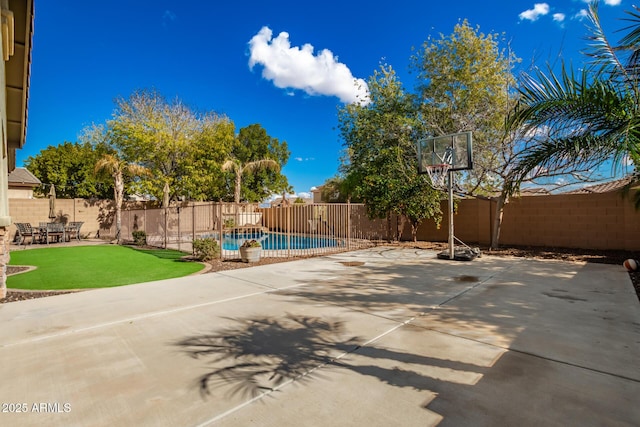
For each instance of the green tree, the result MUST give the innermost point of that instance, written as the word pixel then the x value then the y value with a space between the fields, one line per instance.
pixel 69 166
pixel 239 169
pixel 118 170
pixel 334 190
pixel 285 188
pixel 177 145
pixel 381 153
pixel 253 144
pixel 206 179
pixel 466 83
pixel 463 85
pixel 581 120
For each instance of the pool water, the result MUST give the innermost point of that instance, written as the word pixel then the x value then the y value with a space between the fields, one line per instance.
pixel 274 241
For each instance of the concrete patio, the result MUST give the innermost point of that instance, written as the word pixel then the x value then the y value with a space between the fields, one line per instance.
pixel 378 337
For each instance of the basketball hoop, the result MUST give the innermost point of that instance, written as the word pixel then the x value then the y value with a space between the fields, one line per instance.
pixel 438 156
pixel 438 175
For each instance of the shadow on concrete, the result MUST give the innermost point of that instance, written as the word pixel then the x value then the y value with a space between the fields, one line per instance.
pixel 259 354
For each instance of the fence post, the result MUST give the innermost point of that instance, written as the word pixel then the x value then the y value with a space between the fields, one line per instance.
pixel 179 235
pixel 220 227
pixel 193 225
pixel 349 225
pixel 288 208
pixel 165 226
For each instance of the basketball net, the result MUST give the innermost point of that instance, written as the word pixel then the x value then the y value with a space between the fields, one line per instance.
pixel 438 175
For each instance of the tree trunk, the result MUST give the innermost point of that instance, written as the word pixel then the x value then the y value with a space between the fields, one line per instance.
pixel 401 222
pixel 236 195
pixel 118 192
pixel 497 221
pixel 414 231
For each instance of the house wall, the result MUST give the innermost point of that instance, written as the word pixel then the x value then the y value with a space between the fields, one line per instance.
pixel 20 193
pixel 5 219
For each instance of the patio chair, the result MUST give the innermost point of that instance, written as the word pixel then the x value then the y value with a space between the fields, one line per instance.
pixel 55 230
pixel 73 230
pixel 25 230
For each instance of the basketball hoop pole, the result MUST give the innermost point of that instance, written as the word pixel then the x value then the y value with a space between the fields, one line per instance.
pixel 452 253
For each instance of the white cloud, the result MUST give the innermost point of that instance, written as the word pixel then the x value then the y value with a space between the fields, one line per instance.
pixel 539 9
pixel 559 17
pixel 293 196
pixel 582 14
pixel 612 2
pixel 303 159
pixel 298 68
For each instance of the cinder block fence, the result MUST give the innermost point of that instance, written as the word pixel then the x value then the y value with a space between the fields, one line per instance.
pixel 587 221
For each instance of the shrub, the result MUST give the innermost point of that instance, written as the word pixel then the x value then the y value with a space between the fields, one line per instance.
pixel 139 238
pixel 206 249
pixel 251 244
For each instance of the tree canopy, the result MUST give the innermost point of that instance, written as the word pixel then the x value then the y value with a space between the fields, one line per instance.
pixel 178 146
pixel 463 82
pixel 253 144
pixel 70 167
pixel 381 151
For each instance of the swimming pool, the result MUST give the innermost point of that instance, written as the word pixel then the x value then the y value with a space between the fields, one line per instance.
pixel 273 241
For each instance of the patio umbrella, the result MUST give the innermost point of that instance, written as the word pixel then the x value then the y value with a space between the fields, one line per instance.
pixel 52 202
pixel 165 195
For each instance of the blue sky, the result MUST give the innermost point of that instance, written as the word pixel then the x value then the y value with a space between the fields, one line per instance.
pixel 286 65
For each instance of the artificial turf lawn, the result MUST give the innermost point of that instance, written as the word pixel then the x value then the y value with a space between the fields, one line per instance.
pixel 96 267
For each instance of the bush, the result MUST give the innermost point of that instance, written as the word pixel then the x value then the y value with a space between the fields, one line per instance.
pixel 139 238
pixel 251 244
pixel 206 249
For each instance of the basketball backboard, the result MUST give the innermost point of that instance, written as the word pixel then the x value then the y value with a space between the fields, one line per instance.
pixel 455 150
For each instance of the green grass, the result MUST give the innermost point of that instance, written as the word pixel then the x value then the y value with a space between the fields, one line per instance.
pixel 96 267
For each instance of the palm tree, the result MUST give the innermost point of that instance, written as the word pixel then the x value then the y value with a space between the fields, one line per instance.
pixel 286 189
pixel 239 169
pixel 116 168
pixel 581 121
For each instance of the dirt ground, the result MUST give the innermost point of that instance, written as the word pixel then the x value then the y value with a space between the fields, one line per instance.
pixel 572 255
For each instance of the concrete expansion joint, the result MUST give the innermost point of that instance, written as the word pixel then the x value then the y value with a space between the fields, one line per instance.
pixel 575 365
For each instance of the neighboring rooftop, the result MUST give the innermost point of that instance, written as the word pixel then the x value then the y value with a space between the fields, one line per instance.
pixel 534 191
pixel 23 178
pixel 605 187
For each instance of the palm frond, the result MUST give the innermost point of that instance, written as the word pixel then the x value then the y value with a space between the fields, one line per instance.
pixel 603 54
pixel 230 165
pixel 630 42
pixel 261 164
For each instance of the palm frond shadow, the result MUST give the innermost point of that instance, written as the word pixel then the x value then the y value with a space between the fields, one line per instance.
pixel 259 355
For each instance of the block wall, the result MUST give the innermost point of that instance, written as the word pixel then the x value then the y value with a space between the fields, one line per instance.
pixel 587 221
